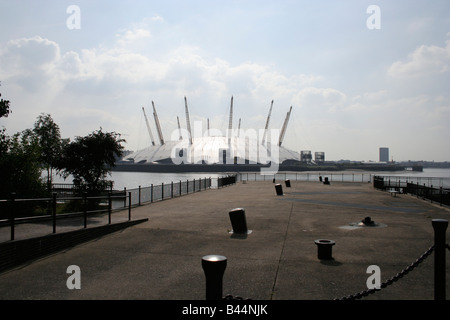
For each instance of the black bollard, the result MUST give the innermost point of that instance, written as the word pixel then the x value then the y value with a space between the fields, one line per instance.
pixel 320 178
pixel 214 267
pixel 440 227
pixel 324 249
pixel 326 181
pixel 273 180
pixel 238 221
pixel 288 183
pixel 279 189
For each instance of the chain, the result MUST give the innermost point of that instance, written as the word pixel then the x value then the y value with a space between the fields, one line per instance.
pixel 395 278
pixel 230 297
pixel 365 293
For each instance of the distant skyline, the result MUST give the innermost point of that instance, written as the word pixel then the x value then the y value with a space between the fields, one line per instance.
pixel 358 74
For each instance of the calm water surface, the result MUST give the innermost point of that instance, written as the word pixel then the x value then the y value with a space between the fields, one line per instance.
pixel 132 180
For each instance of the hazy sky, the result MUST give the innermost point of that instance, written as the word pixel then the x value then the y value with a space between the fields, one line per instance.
pixel 356 79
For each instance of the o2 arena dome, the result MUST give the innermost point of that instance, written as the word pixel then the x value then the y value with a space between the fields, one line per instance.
pixel 235 148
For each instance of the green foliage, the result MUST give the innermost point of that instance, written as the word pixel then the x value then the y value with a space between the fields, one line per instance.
pixel 20 169
pixel 89 160
pixel 4 107
pixel 23 156
pixel 49 139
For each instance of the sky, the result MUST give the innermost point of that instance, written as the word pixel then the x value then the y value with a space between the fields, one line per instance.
pixel 358 74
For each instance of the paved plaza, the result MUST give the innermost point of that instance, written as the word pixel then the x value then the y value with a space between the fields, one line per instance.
pixel 277 260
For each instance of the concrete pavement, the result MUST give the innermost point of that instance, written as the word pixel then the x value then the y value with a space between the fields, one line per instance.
pixel 161 259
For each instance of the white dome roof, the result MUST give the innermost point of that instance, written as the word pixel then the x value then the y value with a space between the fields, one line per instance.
pixel 213 150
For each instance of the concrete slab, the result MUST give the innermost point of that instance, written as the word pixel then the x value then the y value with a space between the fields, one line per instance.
pixel 161 259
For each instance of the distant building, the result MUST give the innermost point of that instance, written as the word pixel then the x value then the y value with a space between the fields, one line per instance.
pixel 319 157
pixel 384 154
pixel 305 156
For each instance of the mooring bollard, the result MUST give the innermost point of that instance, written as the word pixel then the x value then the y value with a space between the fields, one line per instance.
pixel 288 183
pixel 326 181
pixel 238 221
pixel 440 227
pixel 324 249
pixel 279 189
pixel 214 267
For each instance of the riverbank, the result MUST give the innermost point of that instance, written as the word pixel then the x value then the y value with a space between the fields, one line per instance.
pixel 183 168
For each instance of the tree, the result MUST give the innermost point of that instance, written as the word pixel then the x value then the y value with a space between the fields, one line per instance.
pixel 20 171
pixel 4 139
pixel 4 107
pixel 19 166
pixel 49 138
pixel 89 160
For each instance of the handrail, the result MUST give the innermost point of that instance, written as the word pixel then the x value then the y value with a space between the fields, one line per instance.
pixel 122 200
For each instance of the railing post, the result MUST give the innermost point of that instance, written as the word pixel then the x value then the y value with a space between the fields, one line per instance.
pixel 129 206
pixel 109 207
pixel 440 227
pixel 11 212
pixel 162 191
pixel 85 209
pixel 180 188
pixel 125 198
pixel 171 191
pixel 54 211
pixel 151 193
pixel 139 201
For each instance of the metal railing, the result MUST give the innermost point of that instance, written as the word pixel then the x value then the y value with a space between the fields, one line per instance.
pixel 422 187
pixel 164 191
pixel 16 211
pixel 436 182
pixel 47 208
pixel 307 176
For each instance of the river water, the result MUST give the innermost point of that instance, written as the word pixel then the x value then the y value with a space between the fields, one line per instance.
pixel 132 180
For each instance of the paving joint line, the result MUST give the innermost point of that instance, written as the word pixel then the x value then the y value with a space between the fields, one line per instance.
pixel 281 254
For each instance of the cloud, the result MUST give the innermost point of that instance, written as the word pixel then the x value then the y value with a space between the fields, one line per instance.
pixel 129 36
pixel 320 99
pixel 424 61
pixel 29 61
pixel 30 53
pixel 118 79
pixel 107 85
